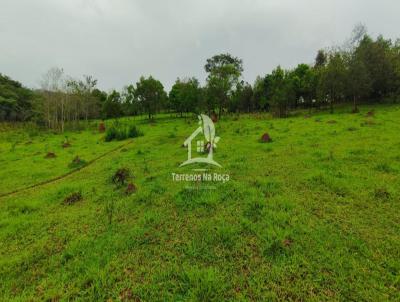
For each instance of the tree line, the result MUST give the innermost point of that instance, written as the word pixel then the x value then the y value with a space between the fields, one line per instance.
pixel 362 70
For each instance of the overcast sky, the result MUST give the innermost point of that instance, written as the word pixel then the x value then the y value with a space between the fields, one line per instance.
pixel 117 41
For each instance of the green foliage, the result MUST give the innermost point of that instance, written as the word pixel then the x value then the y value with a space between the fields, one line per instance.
pixel 185 96
pixel 120 131
pixel 224 71
pixel 112 107
pixel 16 102
pixel 150 94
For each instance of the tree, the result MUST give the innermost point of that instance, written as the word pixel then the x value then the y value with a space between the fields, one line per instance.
pixel 53 83
pixel 281 91
pixel 185 96
pixel 304 83
pixel 260 93
pixel 332 81
pixel 112 106
pixel 224 71
pixel 16 101
pixel 320 59
pixel 150 94
pixel 130 105
pixel 242 98
pixel 359 81
pixel 378 58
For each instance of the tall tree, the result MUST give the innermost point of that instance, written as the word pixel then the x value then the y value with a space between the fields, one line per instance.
pixel 185 96
pixel 150 93
pixel 224 72
pixel 16 101
pixel 332 81
pixel 281 91
pixel 320 59
pixel 112 106
pixel 359 81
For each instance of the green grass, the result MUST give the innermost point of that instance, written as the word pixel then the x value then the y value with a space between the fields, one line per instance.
pixel 312 216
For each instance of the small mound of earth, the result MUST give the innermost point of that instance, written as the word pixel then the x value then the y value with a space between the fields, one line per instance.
pixel 73 198
pixel 214 117
pixel 265 138
pixel 77 160
pixel 102 127
pixel 50 155
pixel 66 145
pixel 130 189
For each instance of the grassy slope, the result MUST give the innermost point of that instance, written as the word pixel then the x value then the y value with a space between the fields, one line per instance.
pixel 314 215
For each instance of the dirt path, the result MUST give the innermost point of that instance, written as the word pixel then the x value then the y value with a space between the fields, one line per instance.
pixel 45 182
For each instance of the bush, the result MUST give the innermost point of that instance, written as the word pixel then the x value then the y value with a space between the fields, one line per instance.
pixel 121 132
pixel 133 131
pixel 121 176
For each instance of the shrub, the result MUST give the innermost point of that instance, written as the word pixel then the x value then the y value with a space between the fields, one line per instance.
pixel 120 132
pixel 121 176
pixel 133 131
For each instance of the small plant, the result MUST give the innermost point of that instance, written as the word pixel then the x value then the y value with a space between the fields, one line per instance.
pixel 110 208
pixel 121 176
pixel 381 194
pixel 73 198
pixel 66 143
pixel 77 162
pixel 13 146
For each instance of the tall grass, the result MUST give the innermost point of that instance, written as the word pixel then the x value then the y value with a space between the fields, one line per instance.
pixel 121 131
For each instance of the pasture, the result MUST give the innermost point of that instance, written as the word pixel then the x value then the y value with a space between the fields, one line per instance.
pixel 312 215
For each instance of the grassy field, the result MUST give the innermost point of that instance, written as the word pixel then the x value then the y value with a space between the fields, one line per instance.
pixel 312 216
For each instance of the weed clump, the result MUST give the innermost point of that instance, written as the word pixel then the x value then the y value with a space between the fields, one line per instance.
pixel 66 143
pixel 121 132
pixel 77 162
pixel 121 176
pixel 381 194
pixel 73 198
